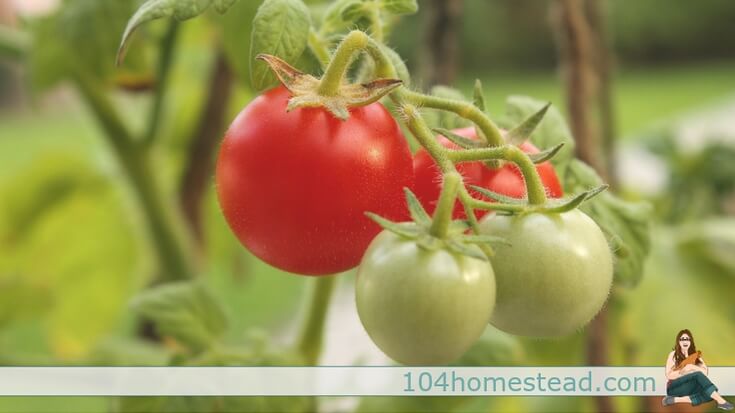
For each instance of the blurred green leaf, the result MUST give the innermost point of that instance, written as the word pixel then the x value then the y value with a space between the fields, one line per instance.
pixel 280 28
pixel 39 189
pixel 626 224
pixel 184 311
pixel 550 132
pixel 21 298
pixel 81 37
pixel 84 272
pixel 157 9
pixel 400 7
pixel 711 241
pixel 677 292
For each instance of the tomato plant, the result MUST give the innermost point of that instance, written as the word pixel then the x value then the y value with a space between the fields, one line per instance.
pixel 506 180
pixel 422 307
pixel 294 185
pixel 554 275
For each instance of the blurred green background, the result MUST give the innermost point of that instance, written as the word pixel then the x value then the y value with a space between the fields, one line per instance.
pixel 73 244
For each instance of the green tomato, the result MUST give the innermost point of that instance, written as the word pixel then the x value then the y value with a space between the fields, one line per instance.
pixel 420 306
pixel 553 277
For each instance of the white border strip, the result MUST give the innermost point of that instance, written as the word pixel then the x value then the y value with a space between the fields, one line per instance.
pixel 343 381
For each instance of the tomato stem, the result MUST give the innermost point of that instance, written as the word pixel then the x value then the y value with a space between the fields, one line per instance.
pixel 312 333
pixel 512 153
pixel 443 213
pixel 465 110
pixel 167 48
pixel 354 42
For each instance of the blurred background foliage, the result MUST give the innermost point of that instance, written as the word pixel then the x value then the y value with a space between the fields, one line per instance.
pixel 74 249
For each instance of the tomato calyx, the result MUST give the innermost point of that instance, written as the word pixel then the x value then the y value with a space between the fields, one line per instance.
pixel 307 91
pixel 438 233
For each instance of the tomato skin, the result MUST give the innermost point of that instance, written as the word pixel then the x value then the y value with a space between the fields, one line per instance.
pixel 554 277
pixel 294 186
pixel 422 307
pixel 506 180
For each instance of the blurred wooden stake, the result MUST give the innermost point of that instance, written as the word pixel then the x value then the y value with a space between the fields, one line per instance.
pixel 580 52
pixel 440 50
pixel 199 169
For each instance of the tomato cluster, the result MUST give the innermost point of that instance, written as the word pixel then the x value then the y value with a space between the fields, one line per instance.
pixel 294 187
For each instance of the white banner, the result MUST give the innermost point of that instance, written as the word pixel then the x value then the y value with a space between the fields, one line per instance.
pixel 344 381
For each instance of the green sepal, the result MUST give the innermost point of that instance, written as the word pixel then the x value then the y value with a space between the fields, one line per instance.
pixel 404 229
pixel 496 196
pixel 522 132
pixel 418 213
pixel 546 154
pixel 458 140
pixel 571 203
pixel 464 249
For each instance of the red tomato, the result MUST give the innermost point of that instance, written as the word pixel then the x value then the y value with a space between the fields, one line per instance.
pixel 506 180
pixel 294 186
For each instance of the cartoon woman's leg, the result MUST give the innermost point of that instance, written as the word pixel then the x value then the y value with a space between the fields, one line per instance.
pixel 697 387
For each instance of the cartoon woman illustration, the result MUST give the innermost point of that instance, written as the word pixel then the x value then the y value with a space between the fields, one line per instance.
pixel 687 374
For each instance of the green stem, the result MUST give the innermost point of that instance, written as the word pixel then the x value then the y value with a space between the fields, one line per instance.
pixel 317 46
pixel 534 186
pixel 443 213
pixel 310 342
pixel 167 236
pixel 465 110
pixel 168 43
pixel 356 41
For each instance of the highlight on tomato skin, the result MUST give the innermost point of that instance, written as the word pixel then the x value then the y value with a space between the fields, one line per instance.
pixel 294 186
pixel 506 180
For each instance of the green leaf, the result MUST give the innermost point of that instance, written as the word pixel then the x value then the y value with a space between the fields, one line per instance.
pixel 711 241
pixel 184 311
pixel 280 28
pixel 157 9
pixel 221 6
pixel 551 131
pixel 236 37
pixel 353 11
pixel 626 224
pixel 400 7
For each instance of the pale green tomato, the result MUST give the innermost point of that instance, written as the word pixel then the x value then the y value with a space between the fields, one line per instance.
pixel 422 307
pixel 555 275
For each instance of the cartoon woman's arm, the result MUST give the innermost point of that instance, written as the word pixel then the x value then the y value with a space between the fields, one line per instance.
pixel 672 374
pixel 703 367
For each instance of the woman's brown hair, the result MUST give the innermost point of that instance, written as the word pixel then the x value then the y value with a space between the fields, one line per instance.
pixel 678 355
